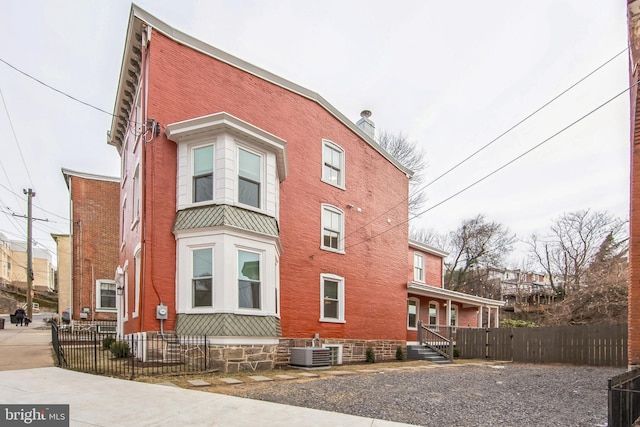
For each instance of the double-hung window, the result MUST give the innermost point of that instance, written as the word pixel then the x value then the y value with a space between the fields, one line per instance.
pixel 332 298
pixel 332 164
pixel 203 174
pixel 332 228
pixel 412 313
pixel 418 267
pixel 106 293
pixel 202 278
pixel 249 178
pixel 248 279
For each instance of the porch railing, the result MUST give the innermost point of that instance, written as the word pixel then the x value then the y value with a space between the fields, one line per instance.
pixel 441 339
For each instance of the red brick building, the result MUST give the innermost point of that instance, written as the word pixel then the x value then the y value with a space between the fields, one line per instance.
pixel 251 210
pixel 94 246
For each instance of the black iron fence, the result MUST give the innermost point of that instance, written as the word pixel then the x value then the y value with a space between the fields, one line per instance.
pixel 95 348
pixel 624 399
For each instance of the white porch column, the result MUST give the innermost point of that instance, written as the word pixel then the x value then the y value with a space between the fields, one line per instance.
pixel 448 312
pixel 480 316
pixel 497 321
pixel 488 316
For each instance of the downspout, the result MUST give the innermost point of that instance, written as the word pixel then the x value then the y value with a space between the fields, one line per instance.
pixel 71 257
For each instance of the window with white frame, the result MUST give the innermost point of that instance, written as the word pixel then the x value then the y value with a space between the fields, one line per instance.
pixel 202 174
pixel 433 314
pixel 249 172
pixel 332 298
pixel 332 164
pixel 332 228
pixel 454 316
pixel 202 277
pixel 136 194
pixel 418 267
pixel 106 295
pixel 137 273
pixel 248 280
pixel 413 306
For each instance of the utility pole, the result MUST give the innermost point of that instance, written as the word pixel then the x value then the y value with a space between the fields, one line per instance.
pixel 30 194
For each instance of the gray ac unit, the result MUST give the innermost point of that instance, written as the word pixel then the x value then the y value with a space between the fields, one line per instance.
pixel 310 357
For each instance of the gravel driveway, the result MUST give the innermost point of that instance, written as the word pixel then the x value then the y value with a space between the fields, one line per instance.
pixel 465 395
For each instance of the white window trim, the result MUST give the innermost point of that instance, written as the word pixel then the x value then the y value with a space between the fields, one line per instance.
pixel 99 308
pixel 123 224
pixel 262 283
pixel 341 240
pixel 138 267
pixel 201 309
pixel 191 150
pixel 421 256
pixel 137 196
pixel 417 301
pixel 333 145
pixel 341 304
pixel 437 313
pixel 263 178
pixel 125 291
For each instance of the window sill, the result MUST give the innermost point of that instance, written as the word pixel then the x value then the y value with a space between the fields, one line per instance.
pixel 339 187
pixel 411 329
pixel 336 251
pixel 332 321
pixel 106 310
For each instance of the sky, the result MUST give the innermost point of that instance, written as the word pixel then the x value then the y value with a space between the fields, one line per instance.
pixel 451 76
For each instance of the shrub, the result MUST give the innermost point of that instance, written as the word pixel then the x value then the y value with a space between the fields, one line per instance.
pixel 107 341
pixel 371 355
pixel 456 352
pixel 512 323
pixel 119 349
pixel 399 353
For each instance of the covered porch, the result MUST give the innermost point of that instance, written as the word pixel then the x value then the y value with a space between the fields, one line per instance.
pixel 445 310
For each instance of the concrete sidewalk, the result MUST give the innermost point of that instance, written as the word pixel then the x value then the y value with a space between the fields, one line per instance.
pixel 24 347
pixel 101 401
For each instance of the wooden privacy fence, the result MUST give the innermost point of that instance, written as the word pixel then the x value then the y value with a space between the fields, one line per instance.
pixel 595 345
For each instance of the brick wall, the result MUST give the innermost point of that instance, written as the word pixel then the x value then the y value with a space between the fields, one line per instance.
pixel 95 239
pixel 185 84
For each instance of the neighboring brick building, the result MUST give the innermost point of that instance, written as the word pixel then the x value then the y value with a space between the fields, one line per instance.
pixel 93 257
pixel 252 210
pixel 436 306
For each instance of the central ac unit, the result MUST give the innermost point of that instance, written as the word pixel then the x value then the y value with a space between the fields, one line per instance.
pixel 310 357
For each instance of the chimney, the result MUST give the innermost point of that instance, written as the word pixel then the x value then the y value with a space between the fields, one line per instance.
pixel 366 124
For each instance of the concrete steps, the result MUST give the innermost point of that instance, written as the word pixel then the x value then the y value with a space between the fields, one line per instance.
pixel 422 352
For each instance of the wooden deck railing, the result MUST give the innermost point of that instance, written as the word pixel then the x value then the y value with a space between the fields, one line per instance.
pixel 439 338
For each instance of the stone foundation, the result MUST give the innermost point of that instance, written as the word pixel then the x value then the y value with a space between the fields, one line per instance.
pixel 353 351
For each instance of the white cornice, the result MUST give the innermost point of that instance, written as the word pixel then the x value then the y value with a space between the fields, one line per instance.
pixel 144 17
pixel 68 173
pixel 432 291
pixel 426 248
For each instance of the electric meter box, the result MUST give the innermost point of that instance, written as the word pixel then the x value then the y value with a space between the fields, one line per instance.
pixel 162 312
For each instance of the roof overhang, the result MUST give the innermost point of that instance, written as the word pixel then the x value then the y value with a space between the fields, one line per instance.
pixel 433 292
pixel 427 248
pixel 141 21
pixel 205 127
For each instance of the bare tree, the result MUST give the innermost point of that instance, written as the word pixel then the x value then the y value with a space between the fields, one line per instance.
pixel 412 157
pixel 572 245
pixel 477 243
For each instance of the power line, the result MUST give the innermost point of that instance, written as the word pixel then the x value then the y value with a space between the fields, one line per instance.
pixel 499 168
pixel 529 116
pixel 59 91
